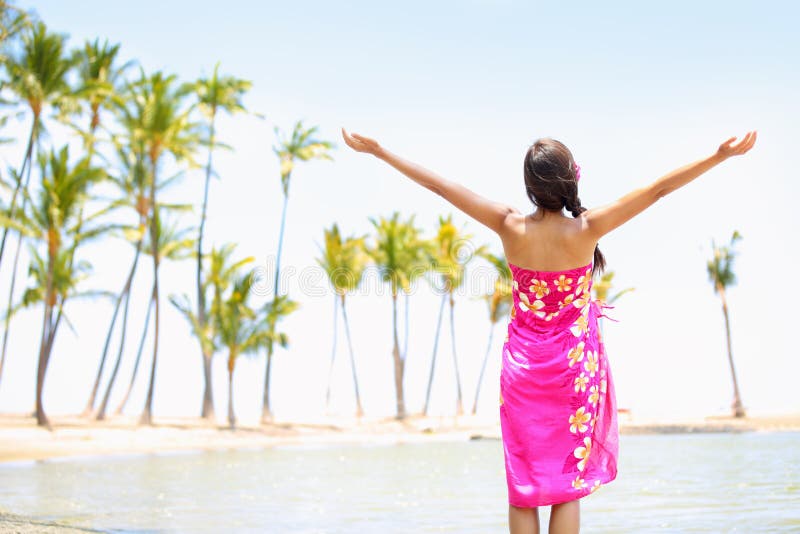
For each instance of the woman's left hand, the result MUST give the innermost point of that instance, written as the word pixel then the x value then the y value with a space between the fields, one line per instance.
pixel 359 143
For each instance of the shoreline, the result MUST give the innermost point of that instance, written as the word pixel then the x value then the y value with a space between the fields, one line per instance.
pixel 21 440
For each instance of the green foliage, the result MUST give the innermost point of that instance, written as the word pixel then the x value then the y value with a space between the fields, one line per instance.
pixel 37 74
pixel 720 266
pixel 276 310
pixel 238 326
pixel 54 220
pixel 344 261
pixel 220 275
pixel 300 145
pixel 173 243
pixel 399 252
pixel 66 276
pixel 451 251
pixel 602 288
pixel 54 210
pixel 500 299
pixel 155 114
pixel 219 93
pixel 13 20
pixel 99 77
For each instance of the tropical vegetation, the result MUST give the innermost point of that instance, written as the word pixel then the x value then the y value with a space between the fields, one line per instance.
pixel 132 135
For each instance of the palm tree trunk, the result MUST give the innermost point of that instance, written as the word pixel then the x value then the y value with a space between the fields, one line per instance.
pixel 52 335
pixel 207 411
pixel 208 399
pixel 7 322
pixel 405 326
pixel 231 414
pixel 433 358
pixel 41 417
pixel 26 162
pixel 47 323
pixel 459 401
pixel 101 412
pixel 280 240
pixel 333 352
pixel 738 409
pixel 147 414
pixel 124 294
pixel 359 409
pixel 483 368
pixel 127 292
pixel 139 352
pixel 398 363
pixel 7 319
pixel 266 412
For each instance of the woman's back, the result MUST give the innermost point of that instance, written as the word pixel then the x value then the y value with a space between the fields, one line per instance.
pixel 547 241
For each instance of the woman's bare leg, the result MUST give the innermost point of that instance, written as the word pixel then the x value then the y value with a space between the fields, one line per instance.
pixel 523 520
pixel 565 518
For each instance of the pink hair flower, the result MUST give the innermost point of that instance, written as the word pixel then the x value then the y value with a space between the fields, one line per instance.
pixel 577 172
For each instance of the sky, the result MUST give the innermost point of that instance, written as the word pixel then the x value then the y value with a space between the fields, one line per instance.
pixel 635 90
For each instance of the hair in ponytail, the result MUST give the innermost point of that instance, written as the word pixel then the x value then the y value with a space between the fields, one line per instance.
pixel 551 182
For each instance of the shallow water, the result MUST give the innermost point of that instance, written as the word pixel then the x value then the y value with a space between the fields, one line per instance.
pixel 746 482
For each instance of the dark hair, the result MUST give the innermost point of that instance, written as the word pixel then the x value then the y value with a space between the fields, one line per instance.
pixel 552 185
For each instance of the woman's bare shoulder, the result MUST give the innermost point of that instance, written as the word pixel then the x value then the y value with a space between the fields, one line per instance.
pixel 536 241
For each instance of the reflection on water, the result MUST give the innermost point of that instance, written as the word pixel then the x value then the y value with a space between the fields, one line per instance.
pixel 674 483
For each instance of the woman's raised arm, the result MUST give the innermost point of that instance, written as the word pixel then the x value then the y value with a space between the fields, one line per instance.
pixel 600 221
pixel 491 214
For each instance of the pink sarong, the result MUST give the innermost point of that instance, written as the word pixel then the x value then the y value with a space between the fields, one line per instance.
pixel 558 412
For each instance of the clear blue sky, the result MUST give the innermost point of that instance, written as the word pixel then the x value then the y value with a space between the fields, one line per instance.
pixel 463 87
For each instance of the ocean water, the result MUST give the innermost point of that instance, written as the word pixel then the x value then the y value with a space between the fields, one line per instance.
pixel 743 482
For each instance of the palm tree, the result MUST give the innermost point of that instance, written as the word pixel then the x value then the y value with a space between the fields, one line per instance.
pixel 53 220
pixel 99 74
pixel 157 117
pixel 449 262
pixel 300 146
pixel 499 302
pixel 218 93
pixel 37 76
pixel 344 262
pixel 220 275
pixel 398 254
pixel 240 330
pixel 721 276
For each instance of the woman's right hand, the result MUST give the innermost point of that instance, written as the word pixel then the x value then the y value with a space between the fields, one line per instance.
pixel 728 149
pixel 602 220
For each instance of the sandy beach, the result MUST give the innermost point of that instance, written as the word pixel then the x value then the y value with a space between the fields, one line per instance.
pixel 22 440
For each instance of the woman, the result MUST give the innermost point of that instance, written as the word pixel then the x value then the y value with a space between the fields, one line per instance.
pixel 557 405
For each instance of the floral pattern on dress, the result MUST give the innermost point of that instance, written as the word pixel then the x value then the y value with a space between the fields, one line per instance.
pixel 562 302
